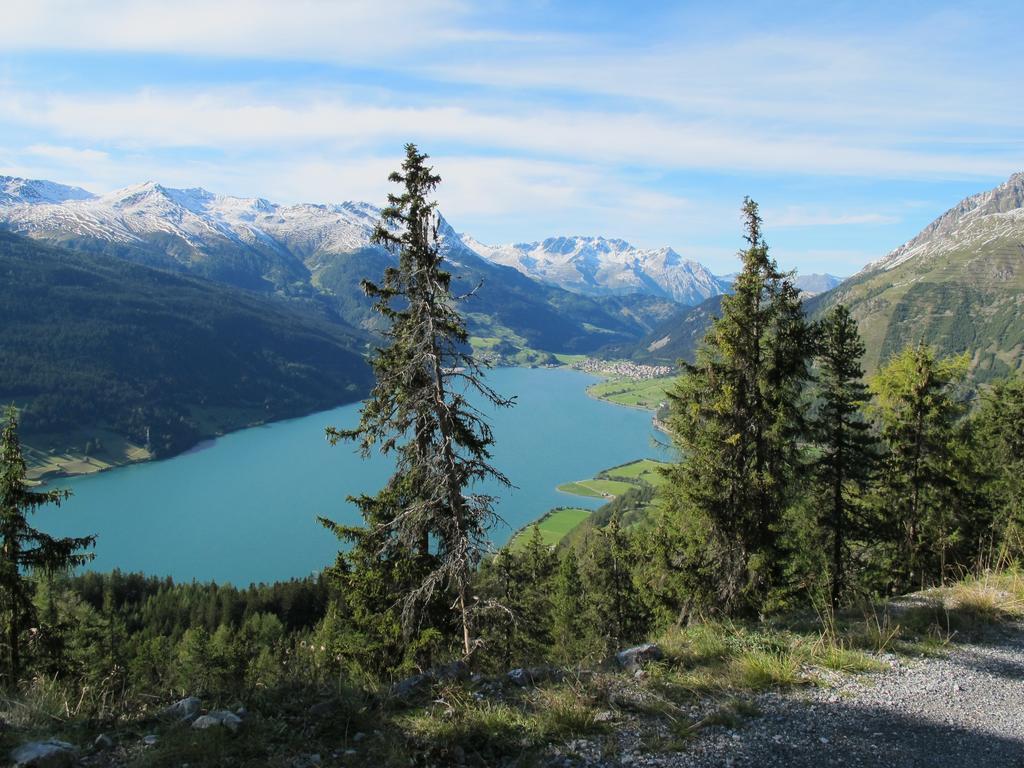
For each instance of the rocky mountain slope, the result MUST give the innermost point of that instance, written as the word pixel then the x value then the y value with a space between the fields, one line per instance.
pixel 596 266
pixel 959 285
pixel 311 253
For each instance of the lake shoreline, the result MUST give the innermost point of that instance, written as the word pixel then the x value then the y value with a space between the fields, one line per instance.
pixel 204 442
pixel 208 440
pixel 264 489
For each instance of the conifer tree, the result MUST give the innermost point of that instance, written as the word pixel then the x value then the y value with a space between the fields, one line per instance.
pixel 608 569
pixel 917 405
pixel 844 438
pixel 1000 430
pixel 537 566
pixel 570 627
pixel 23 549
pixel 735 416
pixel 426 529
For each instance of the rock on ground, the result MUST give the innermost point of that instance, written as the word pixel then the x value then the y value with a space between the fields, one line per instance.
pixel 44 754
pixel 223 717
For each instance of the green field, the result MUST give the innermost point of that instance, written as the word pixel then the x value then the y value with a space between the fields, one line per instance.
pixel 644 469
pixel 596 488
pixel 636 393
pixel 553 526
pixel 609 484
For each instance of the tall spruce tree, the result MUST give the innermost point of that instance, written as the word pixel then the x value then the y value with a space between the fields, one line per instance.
pixel 845 440
pixel 608 565
pixel 570 627
pixel 23 549
pixel 919 488
pixel 1000 430
pixel 735 416
pixel 425 530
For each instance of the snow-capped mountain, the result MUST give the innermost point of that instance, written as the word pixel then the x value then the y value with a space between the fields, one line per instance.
pixel 14 190
pixel 957 285
pixel 974 222
pixel 597 266
pixel 313 253
pixel 195 216
pixel 250 242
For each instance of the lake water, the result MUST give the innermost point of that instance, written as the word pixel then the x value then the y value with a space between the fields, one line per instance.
pixel 244 508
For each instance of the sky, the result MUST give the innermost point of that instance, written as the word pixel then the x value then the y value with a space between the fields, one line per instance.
pixel 852 125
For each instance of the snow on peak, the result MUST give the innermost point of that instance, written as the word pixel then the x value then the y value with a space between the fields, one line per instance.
pixel 981 217
pixel 15 190
pixel 605 266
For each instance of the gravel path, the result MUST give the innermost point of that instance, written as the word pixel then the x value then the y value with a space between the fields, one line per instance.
pixel 965 709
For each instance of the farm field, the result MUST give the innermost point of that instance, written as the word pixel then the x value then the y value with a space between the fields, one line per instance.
pixel 596 488
pixel 635 393
pixel 553 526
pixel 646 470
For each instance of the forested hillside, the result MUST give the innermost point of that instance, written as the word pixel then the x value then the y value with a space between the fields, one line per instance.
pixel 95 345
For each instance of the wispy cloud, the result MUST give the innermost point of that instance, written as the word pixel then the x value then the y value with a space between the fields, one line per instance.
pixel 229 118
pixel 795 216
pixel 354 30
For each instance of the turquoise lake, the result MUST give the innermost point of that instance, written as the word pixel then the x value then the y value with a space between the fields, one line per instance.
pixel 243 508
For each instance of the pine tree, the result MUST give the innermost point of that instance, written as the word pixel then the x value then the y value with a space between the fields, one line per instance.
pixel 538 564
pixel 1000 429
pixel 917 405
pixel 608 569
pixel 425 530
pixel 735 416
pixel 23 548
pixel 570 628
pixel 844 438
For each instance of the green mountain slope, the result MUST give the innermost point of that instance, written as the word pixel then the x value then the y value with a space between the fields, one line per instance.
pixel 673 339
pixel 958 285
pixel 93 344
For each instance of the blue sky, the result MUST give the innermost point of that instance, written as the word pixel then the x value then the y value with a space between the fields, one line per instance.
pixel 853 125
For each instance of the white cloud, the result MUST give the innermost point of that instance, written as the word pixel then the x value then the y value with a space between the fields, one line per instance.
pixel 231 118
pixel 348 30
pixel 797 216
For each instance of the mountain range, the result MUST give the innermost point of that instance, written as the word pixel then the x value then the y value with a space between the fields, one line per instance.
pixel 958 284
pixel 597 266
pixel 312 254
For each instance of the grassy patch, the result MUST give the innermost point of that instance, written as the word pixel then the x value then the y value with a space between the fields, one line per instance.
pixel 760 670
pixel 553 526
pixel 636 393
pixel 484 731
pixel 596 488
pixel 642 470
pixel 848 660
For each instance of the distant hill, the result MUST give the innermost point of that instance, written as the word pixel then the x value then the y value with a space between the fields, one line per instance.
pixel 676 338
pixel 813 284
pixel 94 344
pixel 959 285
pixel 309 253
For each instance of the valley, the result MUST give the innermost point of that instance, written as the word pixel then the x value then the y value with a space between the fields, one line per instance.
pixel 266 484
pixel 511 385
